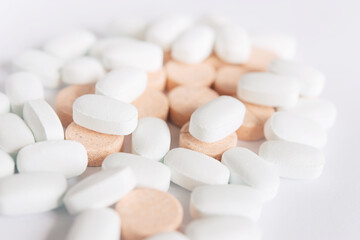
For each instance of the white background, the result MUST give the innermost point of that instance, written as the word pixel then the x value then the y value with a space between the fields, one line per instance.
pixel 328 33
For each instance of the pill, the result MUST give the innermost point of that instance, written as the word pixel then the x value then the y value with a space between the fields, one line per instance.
pixel 22 87
pixel 227 78
pixel 217 119
pixel 29 193
pixel 137 54
pixel 71 44
pixel 184 100
pixel 165 30
pixel 7 165
pixel 214 20
pixel 187 169
pixel 145 212
pixel 152 103
pixel 167 57
pixel 14 133
pixel 256 116
pixel 43 121
pixel 194 45
pixel 293 160
pixel 124 84
pixel 268 89
pixel 126 25
pixel 289 127
pixel 82 70
pixel 232 44
pixel 100 189
pixel 215 61
pixel 260 59
pixel 223 227
pixel 157 79
pixel 213 149
pixel 105 115
pixel 4 103
pixel 247 168
pixel 93 224
pixel 63 156
pixel 149 174
pixel 98 48
pixel 65 99
pixel 167 236
pixel 190 75
pixel 44 65
pixel 151 138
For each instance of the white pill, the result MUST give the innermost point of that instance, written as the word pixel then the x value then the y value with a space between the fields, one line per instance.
pixel 28 193
pixel 232 44
pixel 104 114
pixel 194 45
pixel 290 127
pixel 4 103
pixel 224 228
pixel 293 160
pixel 63 156
pixel 137 54
pixel 82 70
pixel 101 45
pixel 94 224
pixel 124 84
pixel 42 64
pixel 100 189
pixel 70 45
pixel 168 236
pixel 151 138
pixel 149 174
pixel 7 165
pixel 214 20
pixel 217 119
pixel 14 133
pixel 127 25
pixel 165 30
pixel 191 169
pixel 43 121
pixel 268 89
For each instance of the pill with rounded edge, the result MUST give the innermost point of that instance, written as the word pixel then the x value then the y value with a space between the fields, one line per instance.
pixel 168 236
pixel 260 59
pixel 157 79
pixel 126 25
pixel 98 48
pixel 4 103
pixel 7 164
pixel 214 20
pixel 227 78
pixel 152 103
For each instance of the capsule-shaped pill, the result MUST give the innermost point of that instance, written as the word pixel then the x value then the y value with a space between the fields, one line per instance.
pixel 7 164
pixel 4 103
pixel 99 47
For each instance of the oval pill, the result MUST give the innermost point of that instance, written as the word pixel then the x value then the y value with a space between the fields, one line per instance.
pixel 4 103
pixel 7 164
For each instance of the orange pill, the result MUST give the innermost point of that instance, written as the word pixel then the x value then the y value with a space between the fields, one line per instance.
pixel 184 100
pixel 157 80
pixel 227 79
pixel 260 60
pixel 152 103
pixel 166 56
pixel 214 61
pixel 145 212
pixel 98 145
pixel 66 98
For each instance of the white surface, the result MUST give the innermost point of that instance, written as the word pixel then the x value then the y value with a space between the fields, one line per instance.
pixel 328 37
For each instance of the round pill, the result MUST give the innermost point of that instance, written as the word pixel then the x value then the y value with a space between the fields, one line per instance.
pixel 167 236
pixel 227 78
pixel 157 79
pixel 7 164
pixel 4 103
pixel 152 103
pixel 260 60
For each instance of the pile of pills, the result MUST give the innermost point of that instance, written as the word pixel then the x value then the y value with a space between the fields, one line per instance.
pixel 209 77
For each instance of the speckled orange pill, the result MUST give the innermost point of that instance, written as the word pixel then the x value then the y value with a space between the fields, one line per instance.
pixel 152 103
pixel 227 79
pixel 145 212
pixel 260 60
pixel 157 80
pixel 98 145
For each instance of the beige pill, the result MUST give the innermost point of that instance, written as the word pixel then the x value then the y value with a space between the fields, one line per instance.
pixel 260 60
pixel 66 98
pixel 167 56
pixel 98 145
pixel 180 74
pixel 184 100
pixel 145 212
pixel 157 80
pixel 152 103
pixel 214 149
pixel 227 79
pixel 214 61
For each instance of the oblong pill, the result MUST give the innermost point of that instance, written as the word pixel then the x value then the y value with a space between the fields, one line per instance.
pixel 104 114
pixel 217 119
pixel 7 164
pixel 168 236
pixel 187 169
pixel 4 103
pixel 63 156
pixel 27 193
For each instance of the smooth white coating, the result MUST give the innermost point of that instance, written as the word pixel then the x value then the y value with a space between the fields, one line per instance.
pixel 14 133
pixel 232 44
pixel 217 119
pixel 126 25
pixel 194 45
pixel 268 89
pixel 28 193
pixel 293 160
pixel 224 228
pixel 151 138
pixel 124 84
pixel 149 174
pixel 214 20
pixel 42 64
pixel 22 87
pixel 7 164
pixel 290 127
pixel 168 236
pixel 4 103
pixel 63 156
pixel 191 169
pixel 105 114
pixel 95 224
pixel 247 168
pixel 101 189
pixel 99 47
pixel 43 121
pixel 82 70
